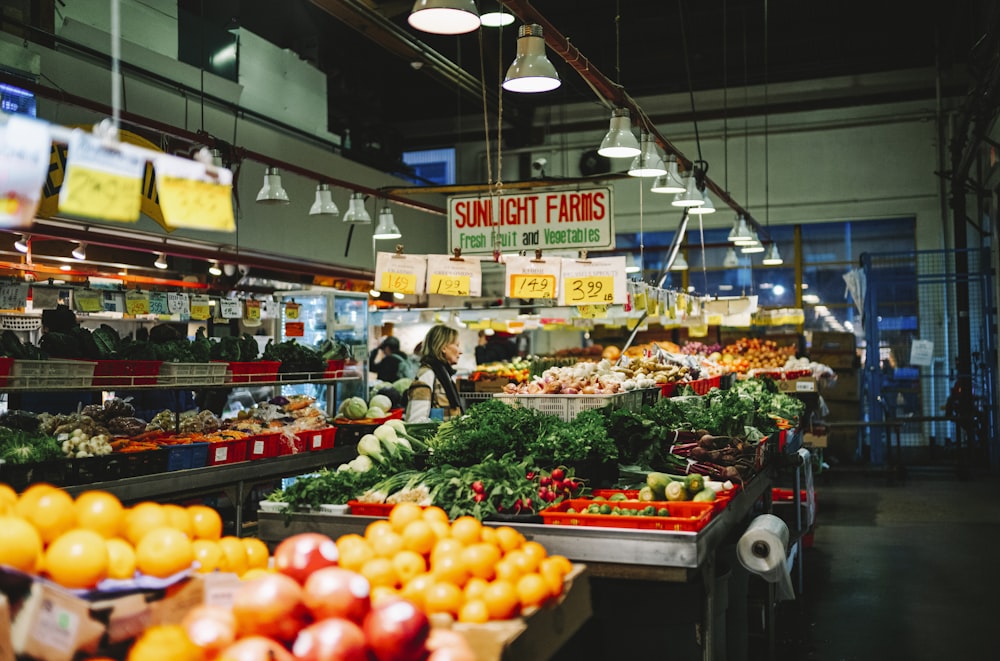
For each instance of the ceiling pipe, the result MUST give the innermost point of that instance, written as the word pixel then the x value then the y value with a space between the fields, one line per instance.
pixel 612 92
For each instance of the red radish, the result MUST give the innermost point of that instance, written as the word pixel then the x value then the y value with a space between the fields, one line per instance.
pixel 478 487
pixel 557 474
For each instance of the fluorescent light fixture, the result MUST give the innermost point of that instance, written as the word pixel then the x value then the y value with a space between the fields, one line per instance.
pixel 496 19
pixel 386 228
pixel 356 211
pixel 648 162
pixel 444 16
pixel 80 251
pixel 214 268
pixel 21 245
pixel 751 248
pixel 272 192
pixel 65 267
pixel 691 197
pixel 619 141
pixel 680 264
pixel 531 72
pixel 324 204
pixel 705 208
pixel 161 260
pixel 773 256
pixel 740 233
pixel 374 293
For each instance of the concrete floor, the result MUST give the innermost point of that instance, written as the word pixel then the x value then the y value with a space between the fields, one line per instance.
pixel 896 572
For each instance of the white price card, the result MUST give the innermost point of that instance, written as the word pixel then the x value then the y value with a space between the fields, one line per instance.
pixel 406 274
pixel 101 180
pixel 922 353
pixel 194 195
pixel 532 277
pixel 25 147
pixel 599 281
pixel 158 303
pixel 231 308
pixel 13 297
pixel 454 276
pixel 178 303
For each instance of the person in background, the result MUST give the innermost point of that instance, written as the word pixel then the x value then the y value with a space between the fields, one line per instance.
pixel 387 368
pixel 433 387
pixel 494 348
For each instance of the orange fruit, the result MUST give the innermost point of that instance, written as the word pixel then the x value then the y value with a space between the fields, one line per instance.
pixel 415 589
pixel 177 517
pixel 253 572
pixel 553 576
pixel 480 560
pixel 121 558
pixel 77 559
pixel 506 570
pixel 349 539
pixel 474 611
pixel 509 539
pixel 466 529
pixel 489 535
pixel 402 514
pixel 8 499
pixel 441 529
pixel 522 561
pixel 51 512
pixel 163 552
pixel 448 567
pixel 26 501
pixel 443 597
pixel 207 554
pixel 142 518
pixel 377 528
pixel 387 544
pixel 532 590
pixel 205 522
pixel 354 555
pixel 257 552
pixel 164 642
pixel 535 550
pixel 419 536
pixel 408 565
pixel 474 588
pixel 234 555
pixel 561 562
pixel 445 546
pixel 434 513
pixel 501 600
pixel 101 512
pixel 382 593
pixel 379 571
pixel 20 544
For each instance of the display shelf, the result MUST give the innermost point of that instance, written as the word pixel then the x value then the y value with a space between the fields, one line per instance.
pixel 141 383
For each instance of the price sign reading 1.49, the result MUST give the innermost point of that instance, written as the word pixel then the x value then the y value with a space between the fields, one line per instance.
pixel 532 286
pixel 449 285
pixel 589 290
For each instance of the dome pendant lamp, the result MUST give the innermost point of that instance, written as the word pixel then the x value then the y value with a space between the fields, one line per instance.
pixel 619 141
pixel 386 228
pixel 691 197
pixel 272 192
pixel 648 163
pixel 772 257
pixel 705 208
pixel 356 211
pixel 531 72
pixel 444 16
pixel 324 204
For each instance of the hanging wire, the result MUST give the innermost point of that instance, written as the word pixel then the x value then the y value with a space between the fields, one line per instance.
pixel 116 54
pixel 767 197
pixel 618 42
pixel 687 68
pixel 725 97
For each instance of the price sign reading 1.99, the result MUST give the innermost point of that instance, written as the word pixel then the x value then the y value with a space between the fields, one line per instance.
pixel 589 290
pixel 449 285
pixel 598 281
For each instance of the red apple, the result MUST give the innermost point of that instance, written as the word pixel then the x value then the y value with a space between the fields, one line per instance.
pixel 302 554
pixel 211 628
pixel 337 592
pixel 270 606
pixel 255 648
pixel 397 631
pixel 448 645
pixel 332 639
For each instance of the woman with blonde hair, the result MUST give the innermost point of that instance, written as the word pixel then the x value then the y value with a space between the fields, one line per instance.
pixel 433 387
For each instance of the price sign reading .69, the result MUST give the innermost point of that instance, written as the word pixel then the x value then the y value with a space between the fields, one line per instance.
pixel 589 290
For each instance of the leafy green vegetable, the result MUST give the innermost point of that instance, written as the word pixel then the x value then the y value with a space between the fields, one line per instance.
pixel 488 428
pixel 294 357
pixel 581 439
pixel 24 447
pixel 226 348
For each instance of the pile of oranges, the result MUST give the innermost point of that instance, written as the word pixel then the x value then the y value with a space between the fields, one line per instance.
pixel 472 572
pixel 78 543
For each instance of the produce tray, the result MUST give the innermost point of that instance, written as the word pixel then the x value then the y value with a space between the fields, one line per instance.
pixel 721 501
pixel 369 509
pixel 188 455
pixel 52 372
pixel 184 374
pixel 126 372
pixel 227 452
pixel 319 439
pixel 700 386
pixel 5 365
pixel 254 371
pixel 291 444
pixel 262 446
pixel 684 516
pixel 566 407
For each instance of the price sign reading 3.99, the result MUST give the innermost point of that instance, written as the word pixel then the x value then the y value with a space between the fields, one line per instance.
pixel 598 281
pixel 593 289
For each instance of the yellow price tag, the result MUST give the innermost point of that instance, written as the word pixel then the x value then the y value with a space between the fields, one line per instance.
pixel 199 308
pixel 523 285
pixel 292 311
pixel 251 310
pixel 450 285
pixel 593 311
pixel 196 204
pixel 88 301
pixel 404 283
pixel 98 194
pixel 596 289
pixel 136 303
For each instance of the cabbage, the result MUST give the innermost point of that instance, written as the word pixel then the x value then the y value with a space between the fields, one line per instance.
pixel 375 412
pixel 401 385
pixel 354 408
pixel 380 402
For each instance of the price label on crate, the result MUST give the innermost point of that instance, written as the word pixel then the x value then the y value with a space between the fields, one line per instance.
pixel 178 303
pixel 193 195
pixel 88 300
pixel 599 281
pixel 251 310
pixel 231 308
pixel 136 302
pixel 529 277
pixel 158 303
pixel 200 307
pixel 101 181
pixel 406 274
pixel 292 311
pixel 454 276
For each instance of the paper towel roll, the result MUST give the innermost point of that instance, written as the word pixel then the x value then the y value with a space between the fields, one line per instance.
pixel 761 550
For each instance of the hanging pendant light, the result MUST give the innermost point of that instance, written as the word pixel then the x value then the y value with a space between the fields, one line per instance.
pixel 671 181
pixel 773 256
pixel 80 251
pixel 753 246
pixel 161 261
pixel 619 141
pixel 705 208
pixel 680 264
pixel 324 204
pixel 356 211
pixel 21 245
pixel 386 228
pixel 444 16
pixel 214 268
pixel 495 16
pixel 531 71
pixel 648 162
pixel 272 192
pixel 691 197
pixel 730 261
pixel 740 233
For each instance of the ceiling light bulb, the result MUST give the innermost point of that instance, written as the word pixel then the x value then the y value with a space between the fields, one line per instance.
pixel 680 264
pixel 398 295
pixel 324 204
pixel 444 16
pixel 21 245
pixel 161 260
pixel 669 182
pixel 619 141
pixel 214 268
pixel 773 256
pixel 272 192
pixel 648 162
pixel 691 197
pixel 386 228
pixel 374 293
pixel 80 251
pixel 496 19
pixel 705 208
pixel 356 211
pixel 531 71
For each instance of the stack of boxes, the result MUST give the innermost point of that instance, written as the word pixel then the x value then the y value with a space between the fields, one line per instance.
pixel 842 395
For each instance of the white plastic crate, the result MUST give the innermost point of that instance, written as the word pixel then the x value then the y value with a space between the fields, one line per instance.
pixel 192 374
pixel 19 323
pixel 566 407
pixel 52 373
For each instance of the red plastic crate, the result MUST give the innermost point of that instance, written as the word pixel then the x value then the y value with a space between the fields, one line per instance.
pixel 227 452
pixel 684 516
pixel 5 365
pixel 721 501
pixel 291 444
pixel 700 386
pixel 369 509
pixel 254 371
pixel 263 446
pixel 126 372
pixel 319 439
pixel 335 368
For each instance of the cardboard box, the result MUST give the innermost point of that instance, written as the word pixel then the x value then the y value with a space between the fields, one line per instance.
pixel 824 341
pixel 6 646
pixel 801 385
pixel 815 440
pixel 537 634
pixel 838 360
pixel 846 387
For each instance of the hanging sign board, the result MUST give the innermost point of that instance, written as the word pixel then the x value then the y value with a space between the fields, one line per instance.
pixel 101 181
pixel 406 274
pixel 232 308
pixel 529 277
pixel 14 297
pixel 136 302
pixel 570 219
pixel 454 276
pixel 600 281
pixel 24 147
pixel 194 196
pixel 201 308
pixel 922 353
pixel 178 303
pixel 88 300
pixel 251 310
pixel 158 303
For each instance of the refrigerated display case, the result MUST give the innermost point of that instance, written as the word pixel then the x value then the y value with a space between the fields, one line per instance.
pixel 338 315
